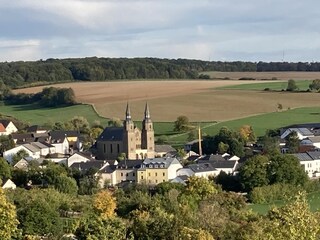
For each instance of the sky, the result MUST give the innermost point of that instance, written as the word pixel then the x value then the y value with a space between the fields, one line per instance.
pixel 215 30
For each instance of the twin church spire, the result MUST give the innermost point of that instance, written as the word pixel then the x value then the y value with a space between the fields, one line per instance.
pixel 146 113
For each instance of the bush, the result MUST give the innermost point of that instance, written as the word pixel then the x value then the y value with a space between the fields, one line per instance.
pixel 266 89
pixel 204 76
pixel 247 78
pixel 271 193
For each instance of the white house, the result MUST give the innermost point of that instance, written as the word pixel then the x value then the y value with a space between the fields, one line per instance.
pixel 61 145
pixel 77 158
pixel 312 141
pixel 33 152
pixel 302 133
pixel 9 126
pixel 9 185
pixel 310 161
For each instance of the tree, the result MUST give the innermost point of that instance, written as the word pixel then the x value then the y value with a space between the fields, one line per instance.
pixel 6 143
pixel 292 86
pixel 200 187
pixel 279 107
pixel 292 142
pixel 181 124
pixel 315 85
pixel 65 184
pixel 115 122
pixel 80 124
pixel 223 148
pixel 18 156
pixel 8 218
pixel 105 204
pixel 286 169
pixel 192 135
pixel 247 134
pixel 293 221
pixel 253 173
pixel 270 145
pixel 5 170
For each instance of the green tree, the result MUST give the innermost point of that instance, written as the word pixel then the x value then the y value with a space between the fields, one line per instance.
pixel 253 173
pixel 5 169
pixel 8 218
pixel 80 124
pixel 6 143
pixel 292 142
pixel 223 148
pixel 292 86
pixel 315 85
pixel 181 124
pixel 18 156
pixel 200 187
pixel 286 169
pixel 115 122
pixel 65 184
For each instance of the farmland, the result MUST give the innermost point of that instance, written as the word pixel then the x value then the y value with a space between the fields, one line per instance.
pixel 199 100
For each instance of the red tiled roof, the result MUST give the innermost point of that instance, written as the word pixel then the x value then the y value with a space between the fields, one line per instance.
pixel 2 128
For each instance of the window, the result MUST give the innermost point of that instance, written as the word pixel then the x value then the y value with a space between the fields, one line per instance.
pixel 156 181
pixel 111 148
pixel 127 174
pixel 141 177
pixel 161 166
pixel 133 174
pixel 121 174
pixel 163 174
pixel 156 166
pixel 163 180
pixel 150 166
pixel 118 147
pixel 156 174
pixel 149 174
pixel 104 148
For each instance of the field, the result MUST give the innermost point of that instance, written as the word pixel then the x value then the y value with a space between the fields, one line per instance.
pixel 313 200
pixel 201 101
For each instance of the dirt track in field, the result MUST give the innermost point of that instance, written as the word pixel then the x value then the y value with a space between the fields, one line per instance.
pixel 196 99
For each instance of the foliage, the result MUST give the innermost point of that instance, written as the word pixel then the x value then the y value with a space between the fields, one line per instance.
pixel 286 169
pixel 247 134
pixel 65 184
pixel 5 170
pixel 200 187
pixel 315 85
pixel 228 182
pixel 253 173
pixel 292 142
pixel 181 124
pixel 18 156
pixel 97 228
pixel 8 218
pixel 115 122
pixel 271 193
pixel 292 86
pixel 6 143
pixel 105 204
pixel 195 234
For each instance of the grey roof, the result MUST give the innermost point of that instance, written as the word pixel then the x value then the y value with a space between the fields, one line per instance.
pixel 302 131
pixel 22 137
pixel 305 125
pixel 201 167
pixel 220 163
pixel 308 156
pixel 164 148
pixel 111 134
pixel 314 139
pixel 58 133
pixel 5 122
pixel 32 148
pixel 129 164
pixel 84 166
pixel 108 169
pixel 41 145
pixel 158 162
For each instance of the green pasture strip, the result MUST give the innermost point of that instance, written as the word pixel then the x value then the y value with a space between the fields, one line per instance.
pixel 35 114
pixel 261 123
pixel 276 86
pixel 312 198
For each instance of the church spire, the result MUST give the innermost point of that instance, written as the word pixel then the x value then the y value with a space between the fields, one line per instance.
pixel 147 112
pixel 128 114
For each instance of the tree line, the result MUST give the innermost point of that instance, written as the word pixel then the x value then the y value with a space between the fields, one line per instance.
pixel 20 74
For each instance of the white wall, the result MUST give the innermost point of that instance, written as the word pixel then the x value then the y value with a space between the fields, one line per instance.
pixel 10 153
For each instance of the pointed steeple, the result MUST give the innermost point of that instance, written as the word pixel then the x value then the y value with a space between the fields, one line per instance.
pixel 128 114
pixel 147 112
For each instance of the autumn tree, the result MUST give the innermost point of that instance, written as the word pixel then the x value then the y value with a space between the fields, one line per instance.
pixel 247 134
pixel 8 218
pixel 105 204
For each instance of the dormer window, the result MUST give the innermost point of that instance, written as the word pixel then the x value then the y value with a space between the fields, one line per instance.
pixel 156 166
pixel 150 166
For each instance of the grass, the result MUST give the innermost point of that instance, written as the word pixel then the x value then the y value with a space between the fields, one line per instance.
pixel 277 86
pixel 261 123
pixel 35 114
pixel 312 198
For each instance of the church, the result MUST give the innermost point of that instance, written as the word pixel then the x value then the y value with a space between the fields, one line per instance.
pixel 136 144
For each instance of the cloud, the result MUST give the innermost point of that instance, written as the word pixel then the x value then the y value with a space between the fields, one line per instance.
pixel 202 29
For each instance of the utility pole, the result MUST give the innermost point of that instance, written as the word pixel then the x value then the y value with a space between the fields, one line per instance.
pixel 200 143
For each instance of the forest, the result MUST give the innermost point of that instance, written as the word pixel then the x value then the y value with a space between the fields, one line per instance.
pixel 22 74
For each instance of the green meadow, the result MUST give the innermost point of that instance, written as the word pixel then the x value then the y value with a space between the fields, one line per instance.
pixel 276 86
pixel 312 198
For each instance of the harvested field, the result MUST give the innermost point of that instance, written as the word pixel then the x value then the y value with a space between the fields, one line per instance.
pixel 265 75
pixel 199 100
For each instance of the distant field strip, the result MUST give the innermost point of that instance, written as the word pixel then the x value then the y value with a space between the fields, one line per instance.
pixel 276 85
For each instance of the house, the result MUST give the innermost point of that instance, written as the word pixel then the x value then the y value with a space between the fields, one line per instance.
pixel 225 162
pixel 22 164
pixel 32 151
pixel 124 171
pixel 188 146
pixel 302 133
pixel 2 130
pixel 163 150
pixel 89 165
pixel 310 161
pixel 9 126
pixel 73 138
pixel 203 170
pixel 128 139
pixel 312 141
pixel 36 129
pixel 78 157
pixel 9 185
pixel 157 170
pixel 60 142
pixel 21 138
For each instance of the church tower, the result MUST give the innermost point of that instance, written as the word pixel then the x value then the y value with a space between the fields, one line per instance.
pixel 147 134
pixel 129 141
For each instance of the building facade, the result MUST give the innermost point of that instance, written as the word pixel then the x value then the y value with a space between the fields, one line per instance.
pixel 128 139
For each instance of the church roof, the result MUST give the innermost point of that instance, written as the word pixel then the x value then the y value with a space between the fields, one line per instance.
pixel 111 134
